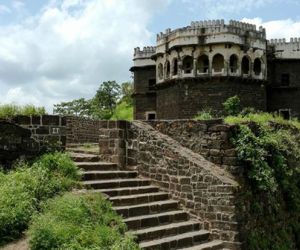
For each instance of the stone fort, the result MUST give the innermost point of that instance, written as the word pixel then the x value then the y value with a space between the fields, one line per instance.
pixel 198 67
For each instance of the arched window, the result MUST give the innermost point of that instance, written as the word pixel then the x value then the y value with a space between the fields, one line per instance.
pixel 160 71
pixel 233 63
pixel 187 65
pixel 203 64
pixel 168 69
pixel 257 66
pixel 245 66
pixel 218 63
pixel 175 67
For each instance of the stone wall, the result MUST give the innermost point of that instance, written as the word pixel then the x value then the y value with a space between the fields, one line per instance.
pixel 284 96
pixel 16 142
pixel 211 139
pixel 47 130
pixel 204 189
pixel 82 130
pixel 183 99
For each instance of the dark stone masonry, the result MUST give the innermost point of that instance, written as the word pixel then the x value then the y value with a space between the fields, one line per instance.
pixel 203 188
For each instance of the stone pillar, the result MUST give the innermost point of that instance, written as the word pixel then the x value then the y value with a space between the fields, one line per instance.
pixel 112 142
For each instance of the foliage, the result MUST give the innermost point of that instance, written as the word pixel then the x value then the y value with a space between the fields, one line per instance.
pixel 123 111
pixel 106 99
pixel 126 92
pixel 11 110
pixel 232 106
pixel 271 195
pixel 204 115
pixel 78 107
pixel 23 190
pixel 79 221
pixel 261 119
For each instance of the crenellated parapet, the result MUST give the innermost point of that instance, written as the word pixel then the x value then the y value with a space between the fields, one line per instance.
pixel 215 28
pixel 142 57
pixel 286 50
pixel 146 52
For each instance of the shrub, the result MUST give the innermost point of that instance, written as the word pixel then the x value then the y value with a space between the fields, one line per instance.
pixel 204 115
pixel 23 190
pixel 232 106
pixel 123 111
pixel 79 221
pixel 271 197
pixel 11 110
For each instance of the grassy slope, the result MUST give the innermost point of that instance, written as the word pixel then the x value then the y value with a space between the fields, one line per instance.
pixel 124 111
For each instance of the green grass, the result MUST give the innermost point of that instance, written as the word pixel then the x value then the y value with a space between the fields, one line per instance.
pixel 11 110
pixel 123 111
pixel 261 119
pixel 204 115
pixel 79 221
pixel 24 189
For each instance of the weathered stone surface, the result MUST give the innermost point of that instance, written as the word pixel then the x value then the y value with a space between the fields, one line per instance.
pixel 15 142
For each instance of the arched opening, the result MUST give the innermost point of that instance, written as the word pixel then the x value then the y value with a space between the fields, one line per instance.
pixel 203 64
pixel 257 66
pixel 233 64
pixel 218 63
pixel 168 69
pixel 187 65
pixel 160 71
pixel 175 67
pixel 245 66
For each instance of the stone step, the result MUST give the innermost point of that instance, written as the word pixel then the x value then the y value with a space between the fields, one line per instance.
pixel 112 192
pixel 76 145
pixel 166 230
pixel 152 220
pixel 177 241
pixel 104 175
pixel 212 245
pixel 94 166
pixel 127 200
pixel 116 183
pixel 82 151
pixel 78 157
pixel 146 208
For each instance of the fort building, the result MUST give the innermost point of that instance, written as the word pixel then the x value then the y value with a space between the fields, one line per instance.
pixel 198 67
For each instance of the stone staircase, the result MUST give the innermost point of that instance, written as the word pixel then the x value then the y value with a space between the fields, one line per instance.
pixel 157 221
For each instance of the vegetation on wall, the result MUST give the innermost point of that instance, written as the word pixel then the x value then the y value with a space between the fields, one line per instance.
pixel 269 147
pixel 11 110
pixel 24 189
pixel 79 221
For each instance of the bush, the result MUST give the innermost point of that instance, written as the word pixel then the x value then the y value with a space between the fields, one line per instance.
pixel 23 190
pixel 79 221
pixel 11 110
pixel 123 111
pixel 232 106
pixel 204 115
pixel 271 197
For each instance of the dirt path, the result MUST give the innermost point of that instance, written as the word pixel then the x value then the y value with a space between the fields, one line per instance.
pixel 21 244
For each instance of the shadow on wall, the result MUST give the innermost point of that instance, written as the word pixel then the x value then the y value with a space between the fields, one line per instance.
pixel 15 143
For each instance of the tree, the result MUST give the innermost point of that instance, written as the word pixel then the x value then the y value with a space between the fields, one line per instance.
pixel 78 107
pixel 126 92
pixel 105 100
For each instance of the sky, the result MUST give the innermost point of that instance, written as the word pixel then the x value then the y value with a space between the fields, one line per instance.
pixel 60 50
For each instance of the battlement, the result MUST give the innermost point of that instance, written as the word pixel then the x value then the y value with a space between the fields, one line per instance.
pixel 286 50
pixel 283 41
pixel 214 27
pixel 146 52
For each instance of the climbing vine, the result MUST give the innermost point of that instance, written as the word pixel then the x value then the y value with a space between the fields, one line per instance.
pixel 271 197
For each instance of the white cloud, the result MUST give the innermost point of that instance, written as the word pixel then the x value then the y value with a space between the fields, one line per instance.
pixel 219 8
pixel 71 46
pixel 4 9
pixel 278 28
